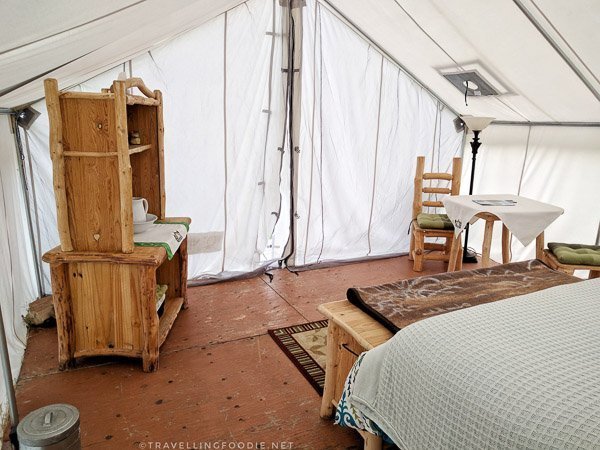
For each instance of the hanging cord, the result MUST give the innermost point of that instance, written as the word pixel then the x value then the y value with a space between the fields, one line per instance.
pixel 466 92
pixel 290 127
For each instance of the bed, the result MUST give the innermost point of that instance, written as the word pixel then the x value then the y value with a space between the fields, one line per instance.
pixel 353 329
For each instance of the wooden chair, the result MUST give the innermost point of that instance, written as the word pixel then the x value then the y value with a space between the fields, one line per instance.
pixel 550 259
pixel 425 225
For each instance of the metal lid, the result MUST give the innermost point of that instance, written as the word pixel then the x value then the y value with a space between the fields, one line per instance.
pixel 48 425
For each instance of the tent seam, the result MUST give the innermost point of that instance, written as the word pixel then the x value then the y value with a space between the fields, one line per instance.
pixel 225 139
pixel 376 154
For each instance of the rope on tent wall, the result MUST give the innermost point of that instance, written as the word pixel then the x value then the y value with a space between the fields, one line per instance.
pixel 524 160
pixel 376 154
pixel 321 135
pixel 290 124
pixel 159 70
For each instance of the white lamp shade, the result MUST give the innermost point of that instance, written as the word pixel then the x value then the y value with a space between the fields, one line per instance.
pixel 474 123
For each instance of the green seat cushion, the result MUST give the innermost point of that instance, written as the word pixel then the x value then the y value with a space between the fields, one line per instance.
pixel 434 221
pixel 576 254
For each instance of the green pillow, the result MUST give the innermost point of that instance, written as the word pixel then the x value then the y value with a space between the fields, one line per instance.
pixel 434 221
pixel 576 254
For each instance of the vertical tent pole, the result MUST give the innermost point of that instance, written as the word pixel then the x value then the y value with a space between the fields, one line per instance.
pixel 8 383
pixel 20 163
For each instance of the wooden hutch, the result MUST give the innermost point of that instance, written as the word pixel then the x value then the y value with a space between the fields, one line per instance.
pixel 103 285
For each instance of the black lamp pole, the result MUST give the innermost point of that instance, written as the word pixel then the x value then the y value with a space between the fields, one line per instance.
pixel 475 144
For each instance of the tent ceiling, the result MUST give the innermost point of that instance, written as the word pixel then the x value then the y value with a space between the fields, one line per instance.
pixel 75 40
pixel 428 35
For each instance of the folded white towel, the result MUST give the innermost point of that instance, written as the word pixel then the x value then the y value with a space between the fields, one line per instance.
pixel 166 235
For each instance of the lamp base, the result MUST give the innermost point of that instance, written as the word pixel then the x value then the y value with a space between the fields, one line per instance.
pixel 470 257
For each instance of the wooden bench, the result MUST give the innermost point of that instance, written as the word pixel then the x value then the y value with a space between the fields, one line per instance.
pixel 349 333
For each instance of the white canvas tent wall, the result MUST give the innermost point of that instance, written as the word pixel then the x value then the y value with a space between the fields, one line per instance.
pixel 371 99
pixel 545 84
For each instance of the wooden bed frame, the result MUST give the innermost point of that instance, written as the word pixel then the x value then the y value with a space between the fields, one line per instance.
pixel 349 333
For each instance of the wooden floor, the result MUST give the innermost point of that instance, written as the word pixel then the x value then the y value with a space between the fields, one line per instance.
pixel 221 377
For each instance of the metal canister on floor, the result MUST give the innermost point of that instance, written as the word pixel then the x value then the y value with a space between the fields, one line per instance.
pixel 53 427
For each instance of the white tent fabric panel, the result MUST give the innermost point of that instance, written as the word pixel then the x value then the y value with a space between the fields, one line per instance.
pixel 28 22
pixel 556 165
pixel 92 47
pixel 189 71
pixel 579 23
pixel 363 123
pixel 495 38
pixel 17 278
pixel 222 160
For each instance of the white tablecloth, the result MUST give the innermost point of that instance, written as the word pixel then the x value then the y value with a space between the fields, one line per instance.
pixel 526 219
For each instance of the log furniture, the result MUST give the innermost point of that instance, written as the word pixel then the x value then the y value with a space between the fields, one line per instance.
pixel 524 218
pixel 349 333
pixel 432 225
pixel 455 260
pixel 103 285
pixel 552 261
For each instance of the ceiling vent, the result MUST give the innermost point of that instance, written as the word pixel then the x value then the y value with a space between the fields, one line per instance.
pixel 472 82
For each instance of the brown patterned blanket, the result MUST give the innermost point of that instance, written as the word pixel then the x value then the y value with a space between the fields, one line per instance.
pixel 399 304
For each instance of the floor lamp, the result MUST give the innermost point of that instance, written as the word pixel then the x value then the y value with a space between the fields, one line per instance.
pixel 476 125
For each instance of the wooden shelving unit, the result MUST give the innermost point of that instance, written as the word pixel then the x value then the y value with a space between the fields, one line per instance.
pixel 104 286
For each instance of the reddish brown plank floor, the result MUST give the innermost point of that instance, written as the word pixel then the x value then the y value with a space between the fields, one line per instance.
pixel 221 377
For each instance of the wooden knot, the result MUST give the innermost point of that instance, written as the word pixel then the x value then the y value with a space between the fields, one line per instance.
pixel 97 237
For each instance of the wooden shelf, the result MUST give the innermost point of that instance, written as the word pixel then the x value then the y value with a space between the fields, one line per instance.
pixel 90 154
pixel 172 308
pixel 133 149
pixel 104 286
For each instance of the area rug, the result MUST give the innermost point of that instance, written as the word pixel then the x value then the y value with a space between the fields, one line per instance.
pixel 306 346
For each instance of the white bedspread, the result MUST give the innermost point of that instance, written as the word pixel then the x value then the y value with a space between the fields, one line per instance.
pixel 518 373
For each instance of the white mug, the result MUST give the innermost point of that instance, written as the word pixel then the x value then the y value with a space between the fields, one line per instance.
pixel 140 209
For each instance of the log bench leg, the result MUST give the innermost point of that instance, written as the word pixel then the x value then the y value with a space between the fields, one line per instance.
pixel 331 369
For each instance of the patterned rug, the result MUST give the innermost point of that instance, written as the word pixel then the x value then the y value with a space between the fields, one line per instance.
pixel 306 346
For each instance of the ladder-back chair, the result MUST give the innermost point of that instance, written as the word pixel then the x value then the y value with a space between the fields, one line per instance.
pixel 428 225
